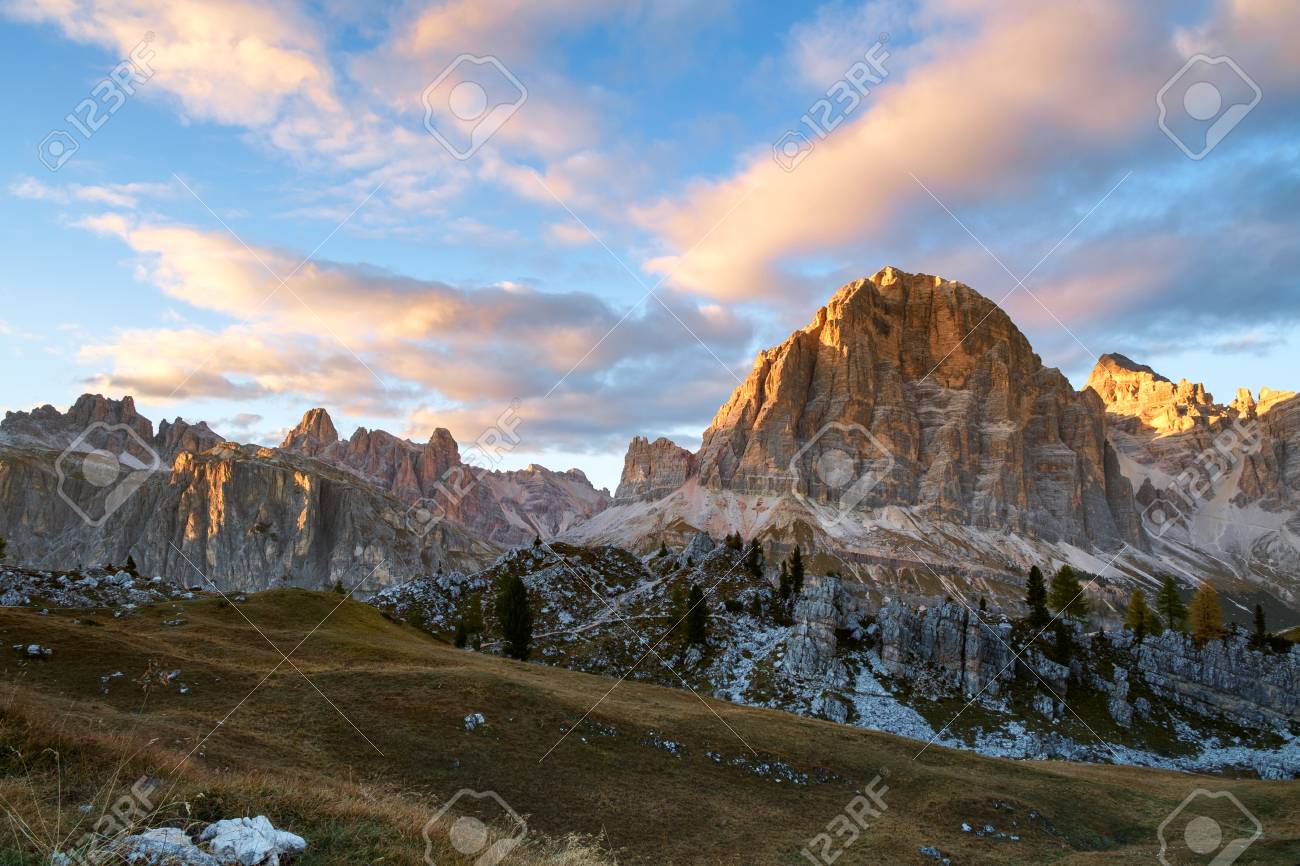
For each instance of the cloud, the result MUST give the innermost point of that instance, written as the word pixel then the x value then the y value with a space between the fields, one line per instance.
pixel 125 195
pixel 1008 94
pixel 371 341
pixel 822 49
pixel 1029 105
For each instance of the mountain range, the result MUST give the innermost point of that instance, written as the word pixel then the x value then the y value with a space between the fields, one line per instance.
pixel 909 428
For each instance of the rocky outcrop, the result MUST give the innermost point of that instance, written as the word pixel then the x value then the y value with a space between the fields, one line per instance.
pixel 505 507
pixel 949 640
pixel 810 649
pixel 1136 391
pixel 1223 678
pixel 653 469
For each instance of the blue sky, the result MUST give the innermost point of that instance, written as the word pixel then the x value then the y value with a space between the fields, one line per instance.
pixel 431 291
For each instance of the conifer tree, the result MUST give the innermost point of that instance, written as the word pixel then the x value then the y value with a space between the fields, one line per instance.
pixel 663 549
pixel 1066 595
pixel 130 562
pixel 697 621
pixel 1138 616
pixel 1036 598
pixel 515 612
pixel 1170 605
pixel 754 559
pixel 678 602
pixel 2 548
pixel 1064 643
pixel 1260 636
pixel 469 621
pixel 1204 615
pixel 796 571
pixel 984 605
pixel 784 586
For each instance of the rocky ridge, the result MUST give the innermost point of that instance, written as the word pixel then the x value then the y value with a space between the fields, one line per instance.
pixel 96 484
pixel 503 507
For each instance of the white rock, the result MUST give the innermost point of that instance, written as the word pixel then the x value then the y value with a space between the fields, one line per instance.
pixel 250 842
pixel 473 720
pixel 165 845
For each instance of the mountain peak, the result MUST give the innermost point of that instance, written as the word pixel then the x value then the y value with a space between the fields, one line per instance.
pixel 314 433
pixel 1113 362
pixel 1137 391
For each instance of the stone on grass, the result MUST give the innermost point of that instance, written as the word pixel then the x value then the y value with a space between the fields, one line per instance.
pixel 251 842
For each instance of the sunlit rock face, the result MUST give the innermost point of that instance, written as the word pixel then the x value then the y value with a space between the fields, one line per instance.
pixel 932 385
pixel 315 511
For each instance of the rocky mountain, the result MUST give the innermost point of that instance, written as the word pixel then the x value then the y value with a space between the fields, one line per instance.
pixel 910 427
pixel 96 484
pixel 505 507
pixel 1218 484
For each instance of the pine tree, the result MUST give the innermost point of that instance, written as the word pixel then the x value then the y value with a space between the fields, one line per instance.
pixel 678 602
pixel 130 564
pixel 734 541
pixel 469 621
pixel 338 588
pixel 1204 615
pixel 1155 625
pixel 1260 637
pixel 515 613
pixel 1064 643
pixel 796 571
pixel 754 559
pixel 663 549
pixel 1036 599
pixel 697 621
pixel 984 605
pixel 537 541
pixel 2 548
pixel 1066 595
pixel 784 586
pixel 1170 605
pixel 1138 616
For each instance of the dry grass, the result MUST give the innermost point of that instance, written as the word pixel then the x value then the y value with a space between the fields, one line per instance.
pixel 287 754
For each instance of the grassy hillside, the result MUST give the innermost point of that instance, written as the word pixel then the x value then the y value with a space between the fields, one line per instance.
pixel 653 775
